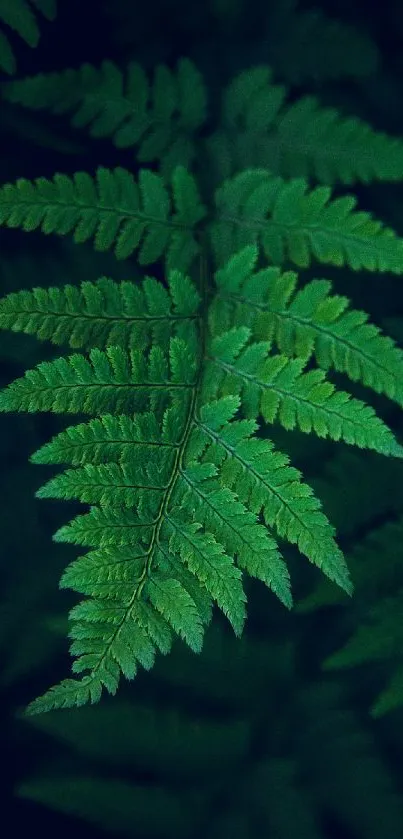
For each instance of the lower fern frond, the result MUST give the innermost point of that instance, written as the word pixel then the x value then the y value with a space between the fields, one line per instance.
pixel 186 499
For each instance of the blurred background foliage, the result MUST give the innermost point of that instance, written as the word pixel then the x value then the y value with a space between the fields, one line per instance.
pixel 297 729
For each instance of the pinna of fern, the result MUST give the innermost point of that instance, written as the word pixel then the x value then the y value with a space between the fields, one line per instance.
pixel 163 118
pixel 184 497
pixel 167 219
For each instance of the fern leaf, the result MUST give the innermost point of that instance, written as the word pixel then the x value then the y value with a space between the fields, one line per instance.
pixel 159 118
pixel 106 573
pixel 307 322
pixel 105 527
pixel 234 526
pixel 109 439
pixel 302 139
pixel 104 313
pixel 278 388
pixel 177 607
pixel 110 482
pixel 206 559
pixel 19 16
pixel 293 223
pixel 113 210
pixel 378 639
pixel 265 482
pixel 113 378
pixel 184 496
pixel 69 693
pixel 113 636
pixel 173 568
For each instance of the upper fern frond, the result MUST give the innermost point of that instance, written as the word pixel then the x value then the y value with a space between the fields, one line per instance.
pixel 294 223
pixel 288 220
pixel 158 118
pixel 303 139
pixel 113 210
pixel 258 128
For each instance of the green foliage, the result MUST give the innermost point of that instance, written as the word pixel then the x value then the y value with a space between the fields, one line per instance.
pixel 287 220
pixel 165 120
pixel 305 323
pixel 304 139
pixel 187 499
pixel 103 313
pixel 298 225
pixel 113 210
pixel 20 16
pixel 158 118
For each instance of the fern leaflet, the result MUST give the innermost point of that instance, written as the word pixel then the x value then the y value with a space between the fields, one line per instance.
pixel 113 210
pixel 160 118
pixel 292 223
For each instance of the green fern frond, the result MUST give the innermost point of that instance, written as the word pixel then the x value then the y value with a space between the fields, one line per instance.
pixel 178 507
pixel 205 558
pixel 69 693
pixel 170 599
pixel 288 221
pixel 278 388
pixel 294 223
pixel 108 573
pixel 110 439
pixel 267 484
pixel 19 16
pixel 106 527
pixel 104 312
pixel 220 511
pixel 113 210
pixel 159 118
pixel 109 483
pixel 307 322
pixel 112 379
pixel 186 500
pixel 303 139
